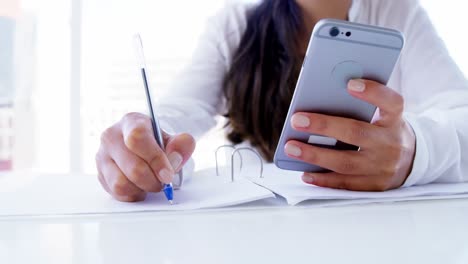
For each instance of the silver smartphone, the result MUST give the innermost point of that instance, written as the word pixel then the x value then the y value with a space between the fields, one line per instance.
pixel 338 52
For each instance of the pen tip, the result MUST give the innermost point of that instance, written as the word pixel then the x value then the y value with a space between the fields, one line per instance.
pixel 171 202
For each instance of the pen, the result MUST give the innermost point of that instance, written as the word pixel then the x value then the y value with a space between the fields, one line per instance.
pixel 167 188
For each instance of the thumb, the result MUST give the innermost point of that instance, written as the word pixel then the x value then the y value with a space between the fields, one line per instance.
pixel 179 149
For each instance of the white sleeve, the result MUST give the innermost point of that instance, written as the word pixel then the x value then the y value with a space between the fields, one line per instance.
pixel 196 96
pixel 436 99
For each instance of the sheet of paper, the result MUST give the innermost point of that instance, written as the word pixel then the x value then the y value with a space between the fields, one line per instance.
pixel 63 195
pixel 289 185
pixel 352 202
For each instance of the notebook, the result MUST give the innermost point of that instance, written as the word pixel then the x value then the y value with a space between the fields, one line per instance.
pixel 26 195
pixel 75 194
pixel 289 185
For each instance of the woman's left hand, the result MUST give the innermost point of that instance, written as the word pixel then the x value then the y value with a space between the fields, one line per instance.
pixel 387 145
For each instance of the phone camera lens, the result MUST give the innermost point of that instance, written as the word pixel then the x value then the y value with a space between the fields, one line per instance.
pixel 334 31
pixel 348 34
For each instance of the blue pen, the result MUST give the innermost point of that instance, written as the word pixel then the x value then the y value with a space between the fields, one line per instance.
pixel 167 188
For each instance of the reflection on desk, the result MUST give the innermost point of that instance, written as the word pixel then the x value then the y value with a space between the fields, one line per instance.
pixel 410 232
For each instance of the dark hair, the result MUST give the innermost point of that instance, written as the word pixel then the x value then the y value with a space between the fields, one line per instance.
pixel 261 80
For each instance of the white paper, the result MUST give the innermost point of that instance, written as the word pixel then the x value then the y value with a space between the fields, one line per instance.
pixel 63 195
pixel 289 185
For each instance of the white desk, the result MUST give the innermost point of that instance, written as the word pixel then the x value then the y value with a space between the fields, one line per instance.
pixel 412 232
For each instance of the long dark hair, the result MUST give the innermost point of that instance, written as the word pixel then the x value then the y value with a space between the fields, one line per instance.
pixel 263 74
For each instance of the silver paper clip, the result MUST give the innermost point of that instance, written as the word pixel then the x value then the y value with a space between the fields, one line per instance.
pixel 216 156
pixel 234 152
pixel 251 150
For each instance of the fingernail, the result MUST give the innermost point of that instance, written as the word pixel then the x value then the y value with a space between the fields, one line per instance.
pixel 308 179
pixel 300 121
pixel 356 86
pixel 176 160
pixel 165 175
pixel 293 150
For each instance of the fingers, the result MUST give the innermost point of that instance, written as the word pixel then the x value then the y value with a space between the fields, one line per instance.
pixel 133 167
pixel 347 130
pixel 179 149
pixel 130 163
pixel 347 182
pixel 382 164
pixel 389 102
pixel 139 138
pixel 115 182
pixel 346 162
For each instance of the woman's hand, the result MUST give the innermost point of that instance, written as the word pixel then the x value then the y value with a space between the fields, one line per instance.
pixel 130 163
pixel 387 145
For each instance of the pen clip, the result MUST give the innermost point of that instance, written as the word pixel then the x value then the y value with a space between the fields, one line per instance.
pixel 138 45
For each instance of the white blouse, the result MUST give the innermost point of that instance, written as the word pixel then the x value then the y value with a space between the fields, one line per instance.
pixel 435 90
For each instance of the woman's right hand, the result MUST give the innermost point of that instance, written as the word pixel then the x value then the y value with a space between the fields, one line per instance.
pixel 130 163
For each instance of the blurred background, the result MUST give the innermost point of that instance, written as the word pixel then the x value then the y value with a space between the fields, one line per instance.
pixel 67 71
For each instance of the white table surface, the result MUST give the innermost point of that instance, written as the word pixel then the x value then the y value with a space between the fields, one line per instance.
pixel 408 232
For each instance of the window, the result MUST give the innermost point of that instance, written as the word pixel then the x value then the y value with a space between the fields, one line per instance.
pixel 8 14
pixel 6 137
pixel 34 39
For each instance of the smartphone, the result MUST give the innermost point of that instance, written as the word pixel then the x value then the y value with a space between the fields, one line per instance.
pixel 338 51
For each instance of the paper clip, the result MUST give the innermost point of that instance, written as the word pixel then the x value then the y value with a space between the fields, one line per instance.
pixel 233 150
pixel 251 150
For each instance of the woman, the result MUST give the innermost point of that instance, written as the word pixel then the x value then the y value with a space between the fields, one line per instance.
pixel 246 68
